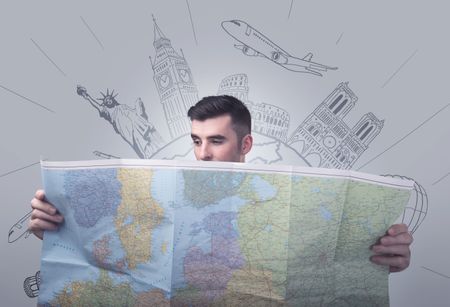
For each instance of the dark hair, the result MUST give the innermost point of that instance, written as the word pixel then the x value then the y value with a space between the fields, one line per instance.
pixel 214 106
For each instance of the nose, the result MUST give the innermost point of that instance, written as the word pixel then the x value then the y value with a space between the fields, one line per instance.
pixel 205 153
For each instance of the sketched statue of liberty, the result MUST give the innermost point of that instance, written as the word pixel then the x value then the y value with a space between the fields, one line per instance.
pixel 131 123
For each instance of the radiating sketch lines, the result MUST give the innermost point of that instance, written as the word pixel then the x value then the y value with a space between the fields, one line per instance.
pixel 339 39
pixel 192 22
pixel 401 66
pixel 290 8
pixel 440 179
pixel 45 54
pixel 404 137
pixel 437 273
pixel 27 99
pixel 18 169
pixel 92 32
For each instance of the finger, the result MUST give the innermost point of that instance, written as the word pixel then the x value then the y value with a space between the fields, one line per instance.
pixel 397 229
pixel 404 238
pixel 400 250
pixel 42 215
pixel 37 233
pixel 38 226
pixel 397 262
pixel 43 206
pixel 393 269
pixel 40 194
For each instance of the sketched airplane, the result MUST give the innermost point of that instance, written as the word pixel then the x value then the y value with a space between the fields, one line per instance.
pixel 19 229
pixel 254 43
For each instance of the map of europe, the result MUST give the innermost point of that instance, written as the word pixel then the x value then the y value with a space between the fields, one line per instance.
pixel 189 233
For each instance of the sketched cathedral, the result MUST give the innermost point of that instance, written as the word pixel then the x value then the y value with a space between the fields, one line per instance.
pixel 174 82
pixel 325 140
pixel 267 119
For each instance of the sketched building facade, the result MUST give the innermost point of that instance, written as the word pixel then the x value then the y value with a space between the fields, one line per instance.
pixel 267 119
pixel 325 140
pixel 236 86
pixel 174 82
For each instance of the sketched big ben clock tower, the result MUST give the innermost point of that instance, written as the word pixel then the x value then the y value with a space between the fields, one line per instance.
pixel 174 82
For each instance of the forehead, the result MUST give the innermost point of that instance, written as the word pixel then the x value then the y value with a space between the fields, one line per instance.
pixel 220 125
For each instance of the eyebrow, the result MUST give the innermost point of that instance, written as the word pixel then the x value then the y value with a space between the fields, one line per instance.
pixel 216 136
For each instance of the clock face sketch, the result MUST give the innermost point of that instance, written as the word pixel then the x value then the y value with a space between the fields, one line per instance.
pixel 184 75
pixel 329 141
pixel 164 81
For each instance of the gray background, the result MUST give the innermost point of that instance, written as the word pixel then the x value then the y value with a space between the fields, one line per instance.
pixel 393 54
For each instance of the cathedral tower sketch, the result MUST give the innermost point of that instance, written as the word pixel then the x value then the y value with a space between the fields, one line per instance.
pixel 325 140
pixel 174 82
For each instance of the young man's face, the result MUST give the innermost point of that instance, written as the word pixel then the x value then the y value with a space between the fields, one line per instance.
pixel 215 140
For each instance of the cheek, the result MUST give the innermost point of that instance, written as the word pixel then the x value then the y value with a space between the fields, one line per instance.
pixel 196 153
pixel 229 153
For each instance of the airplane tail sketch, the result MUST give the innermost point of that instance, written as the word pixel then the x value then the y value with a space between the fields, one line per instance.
pixel 131 123
pixel 103 155
pixel 308 57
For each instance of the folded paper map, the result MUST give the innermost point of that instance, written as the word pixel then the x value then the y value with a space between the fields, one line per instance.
pixel 193 233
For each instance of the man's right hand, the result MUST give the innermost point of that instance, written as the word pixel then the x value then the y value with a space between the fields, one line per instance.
pixel 44 216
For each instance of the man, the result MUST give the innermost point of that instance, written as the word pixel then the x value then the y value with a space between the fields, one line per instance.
pixel 220 131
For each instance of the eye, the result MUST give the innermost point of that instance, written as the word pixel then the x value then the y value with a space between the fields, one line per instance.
pixel 217 141
pixel 196 142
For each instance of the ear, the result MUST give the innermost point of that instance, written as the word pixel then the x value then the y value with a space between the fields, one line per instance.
pixel 247 143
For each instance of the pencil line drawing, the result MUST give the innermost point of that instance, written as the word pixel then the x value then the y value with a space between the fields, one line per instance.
pixel 442 178
pixel 31 285
pixel 192 21
pixel 339 39
pixel 254 43
pixel 398 69
pixel 103 155
pixel 267 119
pixel 435 272
pixel 46 55
pixel 19 229
pixel 130 123
pixel 404 137
pixel 92 32
pixel 417 208
pixel 325 140
pixel 290 8
pixel 27 99
pixel 174 82
pixel 18 169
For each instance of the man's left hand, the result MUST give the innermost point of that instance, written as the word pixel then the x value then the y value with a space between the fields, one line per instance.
pixel 393 248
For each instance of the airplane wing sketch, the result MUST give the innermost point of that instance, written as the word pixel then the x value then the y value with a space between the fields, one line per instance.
pixel 254 43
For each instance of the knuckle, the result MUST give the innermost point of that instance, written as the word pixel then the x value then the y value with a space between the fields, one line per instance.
pixel 404 262
pixel 32 225
pixel 407 238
